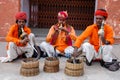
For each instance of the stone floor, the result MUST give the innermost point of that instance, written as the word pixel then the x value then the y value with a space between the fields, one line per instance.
pixel 11 71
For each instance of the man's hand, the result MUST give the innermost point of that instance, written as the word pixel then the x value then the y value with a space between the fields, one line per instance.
pixel 104 40
pixel 63 29
pixel 24 41
pixel 75 52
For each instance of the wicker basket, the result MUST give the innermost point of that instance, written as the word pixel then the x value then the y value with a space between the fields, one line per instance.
pixel 74 69
pixel 29 67
pixel 74 72
pixel 51 61
pixel 29 72
pixel 72 66
pixel 51 65
pixel 51 69
pixel 29 63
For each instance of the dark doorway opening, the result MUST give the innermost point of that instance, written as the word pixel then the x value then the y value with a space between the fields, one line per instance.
pixel 43 13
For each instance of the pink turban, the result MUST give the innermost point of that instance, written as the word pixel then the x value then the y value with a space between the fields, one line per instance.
pixel 62 14
pixel 21 15
pixel 102 13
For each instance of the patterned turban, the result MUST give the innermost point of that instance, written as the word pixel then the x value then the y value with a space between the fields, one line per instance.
pixel 21 15
pixel 102 13
pixel 62 14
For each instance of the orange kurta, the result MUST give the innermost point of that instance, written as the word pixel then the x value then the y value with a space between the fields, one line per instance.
pixel 91 32
pixel 60 42
pixel 12 35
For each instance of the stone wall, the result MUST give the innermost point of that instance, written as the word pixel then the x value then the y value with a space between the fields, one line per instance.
pixel 8 9
pixel 112 6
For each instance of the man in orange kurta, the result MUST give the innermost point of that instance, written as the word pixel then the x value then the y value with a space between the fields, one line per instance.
pixel 18 38
pixel 100 37
pixel 60 37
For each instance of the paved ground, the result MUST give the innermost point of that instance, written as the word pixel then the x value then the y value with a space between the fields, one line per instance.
pixel 11 71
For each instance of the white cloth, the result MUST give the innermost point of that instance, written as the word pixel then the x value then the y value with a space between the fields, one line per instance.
pixel 14 51
pixel 49 49
pixel 103 53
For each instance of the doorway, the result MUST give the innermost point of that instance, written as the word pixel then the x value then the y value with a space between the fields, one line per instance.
pixel 43 13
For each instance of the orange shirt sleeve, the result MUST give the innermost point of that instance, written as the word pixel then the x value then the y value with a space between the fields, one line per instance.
pixel 50 33
pixel 94 35
pixel 73 34
pixel 27 30
pixel 83 36
pixel 109 34
pixel 12 35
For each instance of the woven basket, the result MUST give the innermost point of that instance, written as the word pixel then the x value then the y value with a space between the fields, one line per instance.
pixel 29 72
pixel 29 63
pixel 51 65
pixel 51 69
pixel 74 69
pixel 51 61
pixel 76 66
pixel 74 73
pixel 29 67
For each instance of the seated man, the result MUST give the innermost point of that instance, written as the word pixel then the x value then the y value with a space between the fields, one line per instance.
pixel 100 40
pixel 20 39
pixel 59 38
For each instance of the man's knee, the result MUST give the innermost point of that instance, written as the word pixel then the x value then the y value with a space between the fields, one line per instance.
pixel 69 49
pixel 31 35
pixel 86 44
pixel 12 44
pixel 108 47
pixel 43 45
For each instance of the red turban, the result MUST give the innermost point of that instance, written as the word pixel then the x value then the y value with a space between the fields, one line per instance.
pixel 102 13
pixel 21 15
pixel 63 14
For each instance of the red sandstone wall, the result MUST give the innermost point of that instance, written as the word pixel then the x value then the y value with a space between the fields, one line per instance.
pixel 112 6
pixel 8 9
